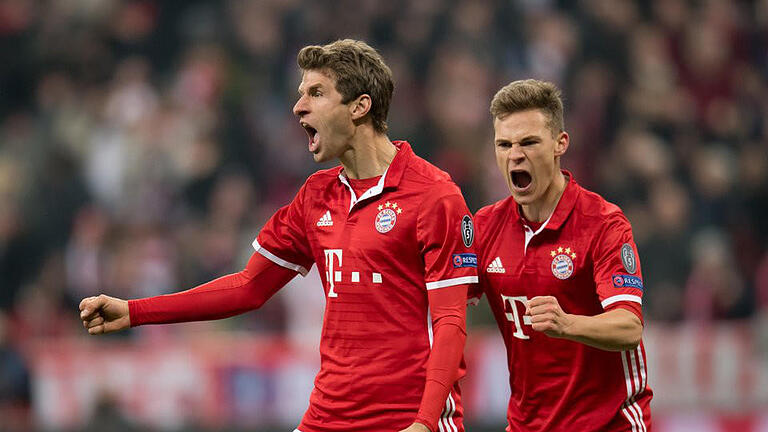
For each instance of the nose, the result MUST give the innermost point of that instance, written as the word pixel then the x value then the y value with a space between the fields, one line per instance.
pixel 300 108
pixel 516 154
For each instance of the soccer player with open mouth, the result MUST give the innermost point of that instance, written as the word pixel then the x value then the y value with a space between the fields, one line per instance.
pixel 563 279
pixel 393 240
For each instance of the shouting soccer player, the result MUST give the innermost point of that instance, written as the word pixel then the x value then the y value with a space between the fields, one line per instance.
pixel 563 279
pixel 392 238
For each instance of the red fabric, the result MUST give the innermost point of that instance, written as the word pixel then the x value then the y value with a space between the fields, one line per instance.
pixel 220 298
pixel 360 186
pixel 633 307
pixel 449 334
pixel 378 261
pixel 557 384
pixel 613 234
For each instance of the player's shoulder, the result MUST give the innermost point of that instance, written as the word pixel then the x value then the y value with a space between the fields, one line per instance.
pixel 594 210
pixel 423 176
pixel 322 178
pixel 498 209
pixel 325 175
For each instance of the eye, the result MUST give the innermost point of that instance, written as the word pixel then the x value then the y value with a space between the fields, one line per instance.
pixel 503 144
pixel 528 142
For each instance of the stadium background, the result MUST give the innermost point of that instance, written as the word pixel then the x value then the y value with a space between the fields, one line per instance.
pixel 143 144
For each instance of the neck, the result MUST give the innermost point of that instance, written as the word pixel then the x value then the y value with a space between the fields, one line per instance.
pixel 541 209
pixel 369 154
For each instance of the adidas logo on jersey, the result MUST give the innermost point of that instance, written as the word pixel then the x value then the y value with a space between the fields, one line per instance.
pixel 496 267
pixel 326 220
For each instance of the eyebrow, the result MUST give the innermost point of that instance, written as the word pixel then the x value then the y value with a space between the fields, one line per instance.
pixel 525 138
pixel 312 87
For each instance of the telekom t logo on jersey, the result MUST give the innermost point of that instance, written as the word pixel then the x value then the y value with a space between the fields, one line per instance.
pixel 331 275
pixel 513 314
pixel 333 263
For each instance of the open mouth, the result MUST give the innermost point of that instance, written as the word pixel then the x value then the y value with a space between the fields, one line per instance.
pixel 521 179
pixel 313 138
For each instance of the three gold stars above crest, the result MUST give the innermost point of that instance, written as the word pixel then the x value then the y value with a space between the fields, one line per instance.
pixel 566 251
pixel 393 206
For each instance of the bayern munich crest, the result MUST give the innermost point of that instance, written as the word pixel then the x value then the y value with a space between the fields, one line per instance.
pixel 562 262
pixel 387 217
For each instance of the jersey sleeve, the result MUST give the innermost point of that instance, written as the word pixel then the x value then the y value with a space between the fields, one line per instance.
pixel 475 291
pixel 443 367
pixel 446 236
pixel 224 297
pixel 283 238
pixel 617 272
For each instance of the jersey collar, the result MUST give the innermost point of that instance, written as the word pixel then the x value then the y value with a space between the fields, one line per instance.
pixel 566 203
pixel 390 179
pixel 562 209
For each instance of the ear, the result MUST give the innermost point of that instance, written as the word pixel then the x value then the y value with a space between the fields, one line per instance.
pixel 360 106
pixel 561 144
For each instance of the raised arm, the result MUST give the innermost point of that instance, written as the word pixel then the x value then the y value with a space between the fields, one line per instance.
pixel 619 287
pixel 615 330
pixel 221 298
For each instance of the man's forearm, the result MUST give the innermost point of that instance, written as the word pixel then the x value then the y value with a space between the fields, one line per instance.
pixel 442 370
pixel 449 332
pixel 615 330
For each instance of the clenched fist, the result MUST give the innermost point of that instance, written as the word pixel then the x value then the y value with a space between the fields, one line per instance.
pixel 104 314
pixel 548 317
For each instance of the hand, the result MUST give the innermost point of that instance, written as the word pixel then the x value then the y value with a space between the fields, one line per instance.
pixel 548 317
pixel 416 427
pixel 104 314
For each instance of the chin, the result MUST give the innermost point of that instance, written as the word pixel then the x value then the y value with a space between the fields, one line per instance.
pixel 322 156
pixel 522 199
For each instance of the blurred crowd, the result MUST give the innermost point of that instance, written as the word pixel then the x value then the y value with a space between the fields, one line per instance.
pixel 143 143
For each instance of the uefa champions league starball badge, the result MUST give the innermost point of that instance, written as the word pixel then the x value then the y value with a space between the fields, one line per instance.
pixel 628 258
pixel 387 217
pixel 562 262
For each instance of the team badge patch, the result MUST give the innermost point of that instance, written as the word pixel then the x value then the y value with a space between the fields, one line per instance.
pixel 627 281
pixel 464 260
pixel 467 230
pixel 387 217
pixel 562 262
pixel 628 258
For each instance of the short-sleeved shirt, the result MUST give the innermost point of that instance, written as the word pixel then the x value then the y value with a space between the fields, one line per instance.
pixel 584 256
pixel 378 254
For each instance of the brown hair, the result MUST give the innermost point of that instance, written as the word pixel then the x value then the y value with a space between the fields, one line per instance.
pixel 529 94
pixel 358 69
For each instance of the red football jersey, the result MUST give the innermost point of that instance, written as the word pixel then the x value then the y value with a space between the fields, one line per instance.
pixel 584 256
pixel 377 254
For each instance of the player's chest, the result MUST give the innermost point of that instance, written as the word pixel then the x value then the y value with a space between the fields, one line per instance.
pixel 548 263
pixel 384 225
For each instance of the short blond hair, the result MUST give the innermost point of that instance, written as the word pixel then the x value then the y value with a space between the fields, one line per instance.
pixel 530 94
pixel 358 69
